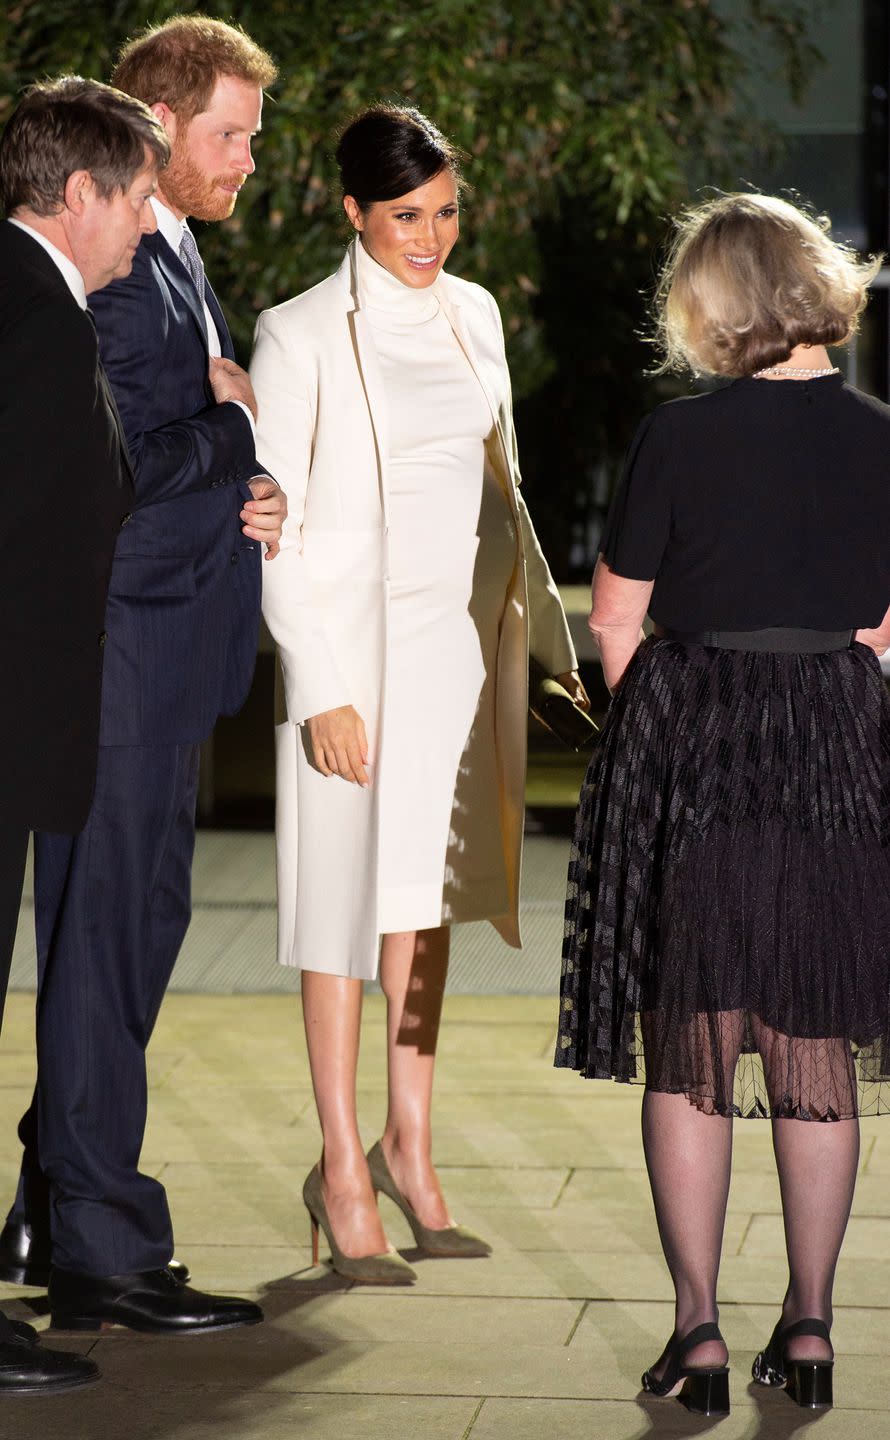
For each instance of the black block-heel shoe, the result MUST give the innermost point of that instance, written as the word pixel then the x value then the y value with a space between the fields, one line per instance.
pixel 808 1382
pixel 702 1390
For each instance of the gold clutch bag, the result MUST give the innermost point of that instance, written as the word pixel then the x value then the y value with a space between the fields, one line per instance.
pixel 553 706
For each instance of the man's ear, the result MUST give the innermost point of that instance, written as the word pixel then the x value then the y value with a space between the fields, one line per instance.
pixel 161 111
pixel 80 188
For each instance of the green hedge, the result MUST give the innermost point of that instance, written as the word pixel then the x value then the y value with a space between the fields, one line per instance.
pixel 585 121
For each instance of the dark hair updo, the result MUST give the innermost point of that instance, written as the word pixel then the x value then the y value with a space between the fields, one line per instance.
pixel 390 150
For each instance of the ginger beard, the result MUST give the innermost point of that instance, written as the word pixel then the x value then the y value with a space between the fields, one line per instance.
pixel 195 193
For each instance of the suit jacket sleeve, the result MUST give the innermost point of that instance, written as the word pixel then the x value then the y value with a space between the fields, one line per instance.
pixel 213 447
pixel 312 679
pixel 549 640
pixel 45 370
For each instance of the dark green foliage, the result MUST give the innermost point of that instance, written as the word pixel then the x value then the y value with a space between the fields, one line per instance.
pixel 584 121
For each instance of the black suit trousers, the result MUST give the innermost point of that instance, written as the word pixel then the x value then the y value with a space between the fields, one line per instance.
pixel 112 907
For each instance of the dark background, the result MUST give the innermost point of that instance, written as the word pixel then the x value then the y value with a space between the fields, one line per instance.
pixel 586 124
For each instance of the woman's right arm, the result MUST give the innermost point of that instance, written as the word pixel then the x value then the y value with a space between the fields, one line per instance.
pixel 315 690
pixel 617 612
pixel 879 639
pixel 632 547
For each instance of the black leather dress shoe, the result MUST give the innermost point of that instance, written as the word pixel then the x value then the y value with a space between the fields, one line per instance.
pixel 26 1368
pixel 25 1258
pixel 153 1300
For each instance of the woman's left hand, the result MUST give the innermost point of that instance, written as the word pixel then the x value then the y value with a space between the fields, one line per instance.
pixel 572 682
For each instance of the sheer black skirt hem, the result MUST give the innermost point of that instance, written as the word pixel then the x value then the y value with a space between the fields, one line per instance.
pixel 727 930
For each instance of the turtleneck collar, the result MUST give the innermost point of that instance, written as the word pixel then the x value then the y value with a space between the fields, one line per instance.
pixel 385 295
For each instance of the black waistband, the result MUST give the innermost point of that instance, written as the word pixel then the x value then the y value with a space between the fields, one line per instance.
pixel 777 640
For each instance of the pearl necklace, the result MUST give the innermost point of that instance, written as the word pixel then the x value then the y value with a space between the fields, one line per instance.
pixel 792 372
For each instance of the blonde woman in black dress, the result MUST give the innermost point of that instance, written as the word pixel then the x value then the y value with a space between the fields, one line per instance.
pixel 728 912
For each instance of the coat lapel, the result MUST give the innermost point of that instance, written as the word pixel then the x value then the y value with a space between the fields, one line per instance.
pixel 110 402
pixel 455 315
pixel 181 282
pixel 369 370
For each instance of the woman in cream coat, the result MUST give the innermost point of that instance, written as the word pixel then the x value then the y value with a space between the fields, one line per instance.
pixel 408 592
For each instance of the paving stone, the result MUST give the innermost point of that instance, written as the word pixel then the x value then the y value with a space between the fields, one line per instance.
pixel 364 1313
pixel 578 1228
pixel 866 1237
pixel 546 1337
pixel 239 865
pixel 522 1044
pixel 280 1358
pixel 746 1328
pixel 113 1411
pixel 768 1419
pixel 248 1214
pixel 18 1069
pixel 561 1146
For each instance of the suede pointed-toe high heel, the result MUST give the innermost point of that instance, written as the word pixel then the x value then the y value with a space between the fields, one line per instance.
pixel 455 1242
pixel 386 1269
pixel 705 1389
pixel 808 1382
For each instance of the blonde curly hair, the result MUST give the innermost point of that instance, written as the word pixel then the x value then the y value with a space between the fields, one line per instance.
pixel 748 278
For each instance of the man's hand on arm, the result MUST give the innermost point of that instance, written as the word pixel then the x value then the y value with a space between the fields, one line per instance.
pixel 265 514
pixel 229 382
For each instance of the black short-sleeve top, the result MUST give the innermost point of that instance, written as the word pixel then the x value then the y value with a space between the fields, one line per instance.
pixel 765 503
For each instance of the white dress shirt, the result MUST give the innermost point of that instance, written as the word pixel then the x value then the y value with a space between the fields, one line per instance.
pixel 70 273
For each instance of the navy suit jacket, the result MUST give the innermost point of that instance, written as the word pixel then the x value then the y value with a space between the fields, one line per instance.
pixel 184 600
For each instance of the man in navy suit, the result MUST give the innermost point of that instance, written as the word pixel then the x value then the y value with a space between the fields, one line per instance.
pixel 113 904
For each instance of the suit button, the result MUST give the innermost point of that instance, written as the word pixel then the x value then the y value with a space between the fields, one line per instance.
pixel 235 558
pixel 102 638
pixel 126 519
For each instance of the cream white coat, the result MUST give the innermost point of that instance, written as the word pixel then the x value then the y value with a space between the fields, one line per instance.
pixel 322 433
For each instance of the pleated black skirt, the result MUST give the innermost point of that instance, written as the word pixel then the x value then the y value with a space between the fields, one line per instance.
pixel 727 928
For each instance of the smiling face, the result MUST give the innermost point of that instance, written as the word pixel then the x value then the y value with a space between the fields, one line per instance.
pixel 413 235
pixel 211 152
pixel 106 232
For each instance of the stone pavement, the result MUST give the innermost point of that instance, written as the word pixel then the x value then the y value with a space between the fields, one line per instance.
pixel 545 1339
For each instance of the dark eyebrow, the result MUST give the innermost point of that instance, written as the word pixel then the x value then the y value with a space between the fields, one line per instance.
pixel 416 209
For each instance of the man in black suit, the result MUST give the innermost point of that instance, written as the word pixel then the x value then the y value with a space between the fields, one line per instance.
pixel 79 163
pixel 113 904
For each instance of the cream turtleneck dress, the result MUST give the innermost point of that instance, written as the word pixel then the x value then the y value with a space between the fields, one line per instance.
pixel 452 551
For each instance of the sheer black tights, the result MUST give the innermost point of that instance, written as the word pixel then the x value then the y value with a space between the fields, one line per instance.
pixel 688 1156
pixel 817 1165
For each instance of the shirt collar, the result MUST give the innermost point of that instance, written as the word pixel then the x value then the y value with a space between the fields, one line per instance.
pixel 171 228
pixel 69 271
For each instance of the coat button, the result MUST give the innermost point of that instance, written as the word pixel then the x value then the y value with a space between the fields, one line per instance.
pixel 235 558
pixel 102 638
